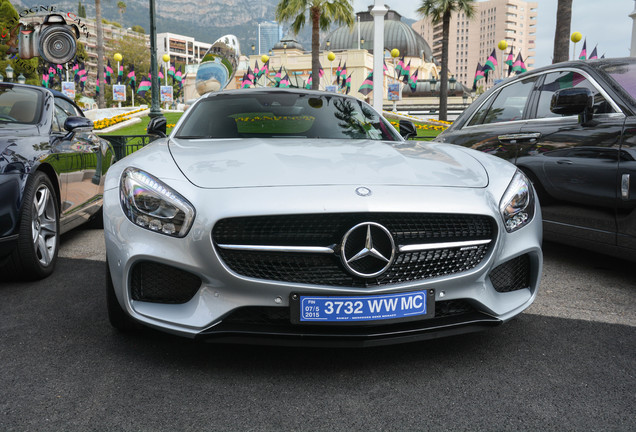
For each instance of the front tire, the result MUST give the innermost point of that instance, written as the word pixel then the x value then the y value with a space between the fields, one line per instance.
pixel 35 256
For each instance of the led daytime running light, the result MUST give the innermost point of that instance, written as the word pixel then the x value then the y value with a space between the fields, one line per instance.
pixel 517 203
pixel 152 205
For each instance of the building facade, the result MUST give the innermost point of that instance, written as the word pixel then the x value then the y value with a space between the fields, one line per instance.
pixel 471 41
pixel 183 49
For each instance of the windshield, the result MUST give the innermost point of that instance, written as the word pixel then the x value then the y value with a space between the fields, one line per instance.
pixel 19 105
pixel 284 115
pixel 625 75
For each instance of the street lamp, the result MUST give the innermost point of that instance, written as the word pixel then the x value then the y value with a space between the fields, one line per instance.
pixel 331 57
pixel 253 49
pixel 9 72
pixel 362 42
pixel 21 79
pixel 285 47
pixel 118 58
pixel 465 98
pixel 328 44
pixel 451 84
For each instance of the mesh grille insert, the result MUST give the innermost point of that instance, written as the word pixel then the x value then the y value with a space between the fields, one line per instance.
pixel 512 275
pixel 160 283
pixel 327 230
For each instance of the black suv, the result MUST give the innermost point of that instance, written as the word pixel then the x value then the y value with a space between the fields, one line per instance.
pixel 571 127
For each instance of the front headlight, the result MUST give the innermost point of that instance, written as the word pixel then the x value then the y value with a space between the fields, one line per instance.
pixel 153 205
pixel 517 204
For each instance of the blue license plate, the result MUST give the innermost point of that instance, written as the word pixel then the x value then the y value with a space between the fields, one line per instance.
pixel 350 309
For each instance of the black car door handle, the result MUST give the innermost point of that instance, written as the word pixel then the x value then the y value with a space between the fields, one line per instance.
pixel 519 137
pixel 564 162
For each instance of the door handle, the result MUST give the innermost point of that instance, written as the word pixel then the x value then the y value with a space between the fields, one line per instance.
pixel 625 186
pixel 564 162
pixel 516 137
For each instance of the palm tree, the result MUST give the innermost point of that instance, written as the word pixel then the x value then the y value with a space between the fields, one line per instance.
pixel 562 33
pixel 440 11
pixel 322 14
pixel 100 52
pixel 122 8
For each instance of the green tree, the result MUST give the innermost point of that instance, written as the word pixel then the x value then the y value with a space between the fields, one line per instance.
pixel 121 6
pixel 134 52
pixel 441 11
pixel 322 14
pixel 81 10
pixel 138 29
pixel 562 31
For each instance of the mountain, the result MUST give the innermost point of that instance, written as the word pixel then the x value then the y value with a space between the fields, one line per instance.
pixel 206 21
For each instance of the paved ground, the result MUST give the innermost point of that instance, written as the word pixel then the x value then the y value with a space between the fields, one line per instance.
pixel 566 364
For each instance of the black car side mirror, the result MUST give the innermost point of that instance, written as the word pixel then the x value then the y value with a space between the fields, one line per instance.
pixel 573 101
pixel 407 129
pixel 75 122
pixel 157 126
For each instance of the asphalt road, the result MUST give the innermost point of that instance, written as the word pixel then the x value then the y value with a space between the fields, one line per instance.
pixel 568 363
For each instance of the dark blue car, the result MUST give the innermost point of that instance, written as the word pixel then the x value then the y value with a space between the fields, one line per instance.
pixel 51 176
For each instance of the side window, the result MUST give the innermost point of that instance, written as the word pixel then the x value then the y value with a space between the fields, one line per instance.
pixel 58 119
pixel 568 79
pixel 70 109
pixel 508 105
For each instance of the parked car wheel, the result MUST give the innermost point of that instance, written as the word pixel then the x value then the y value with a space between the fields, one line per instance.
pixel 39 235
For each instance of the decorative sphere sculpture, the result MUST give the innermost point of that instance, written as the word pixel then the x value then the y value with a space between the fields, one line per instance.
pixel 218 65
pixel 395 53
pixel 118 57
pixel 331 56
pixel 502 45
pixel 576 37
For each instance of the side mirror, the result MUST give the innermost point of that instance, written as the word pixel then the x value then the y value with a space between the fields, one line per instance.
pixel 75 122
pixel 407 129
pixel 573 101
pixel 157 126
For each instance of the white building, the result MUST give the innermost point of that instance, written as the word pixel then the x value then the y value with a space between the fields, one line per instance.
pixel 184 49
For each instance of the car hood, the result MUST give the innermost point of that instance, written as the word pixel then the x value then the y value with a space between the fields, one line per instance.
pixel 255 162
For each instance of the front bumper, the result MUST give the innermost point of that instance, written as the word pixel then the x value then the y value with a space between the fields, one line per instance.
pixel 228 307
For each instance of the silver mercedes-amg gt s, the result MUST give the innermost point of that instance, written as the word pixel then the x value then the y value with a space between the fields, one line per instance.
pixel 300 217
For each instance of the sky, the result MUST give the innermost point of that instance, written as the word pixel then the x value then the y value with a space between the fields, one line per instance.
pixel 605 23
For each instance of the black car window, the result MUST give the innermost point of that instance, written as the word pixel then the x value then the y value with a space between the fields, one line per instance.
pixel 20 105
pixel 286 115
pixel 60 117
pixel 625 76
pixel 568 79
pixel 68 107
pixel 508 104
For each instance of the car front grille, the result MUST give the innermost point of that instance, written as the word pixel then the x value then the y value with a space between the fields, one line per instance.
pixel 327 230
pixel 512 275
pixel 160 283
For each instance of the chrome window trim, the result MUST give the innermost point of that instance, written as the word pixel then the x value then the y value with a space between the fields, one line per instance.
pixel 618 114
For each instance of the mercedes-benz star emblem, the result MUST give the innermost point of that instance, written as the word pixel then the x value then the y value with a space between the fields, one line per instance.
pixel 367 250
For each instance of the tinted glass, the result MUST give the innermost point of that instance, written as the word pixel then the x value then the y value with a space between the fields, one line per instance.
pixel 284 115
pixel 625 76
pixel 509 104
pixel 20 105
pixel 563 80
pixel 68 107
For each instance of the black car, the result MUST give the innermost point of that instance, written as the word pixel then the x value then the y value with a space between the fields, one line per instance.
pixel 571 127
pixel 51 176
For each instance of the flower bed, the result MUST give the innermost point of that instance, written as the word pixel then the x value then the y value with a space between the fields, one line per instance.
pixel 107 122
